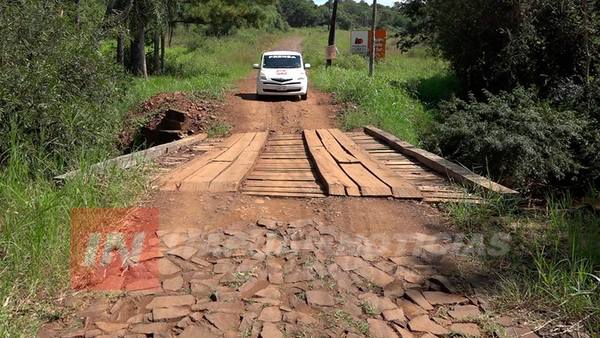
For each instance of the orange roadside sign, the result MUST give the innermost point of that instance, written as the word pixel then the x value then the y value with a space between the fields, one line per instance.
pixel 380 43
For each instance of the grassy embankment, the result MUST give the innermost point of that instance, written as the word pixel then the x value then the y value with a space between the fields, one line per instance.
pixel 34 228
pixel 551 270
pixel 398 99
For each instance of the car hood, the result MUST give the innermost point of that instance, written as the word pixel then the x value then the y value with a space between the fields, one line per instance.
pixel 283 72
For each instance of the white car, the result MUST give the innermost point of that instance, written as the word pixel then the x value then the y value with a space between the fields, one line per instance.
pixel 282 73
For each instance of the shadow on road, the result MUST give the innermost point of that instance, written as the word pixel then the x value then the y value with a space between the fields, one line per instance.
pixel 254 97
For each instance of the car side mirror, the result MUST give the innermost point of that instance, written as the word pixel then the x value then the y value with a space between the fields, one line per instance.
pixel 306 65
pixel 256 66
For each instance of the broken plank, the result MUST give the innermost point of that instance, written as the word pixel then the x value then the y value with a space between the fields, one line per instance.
pixel 334 178
pixel 334 148
pixel 401 188
pixel 369 184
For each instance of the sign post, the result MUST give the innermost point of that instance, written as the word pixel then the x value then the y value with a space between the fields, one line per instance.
pixel 330 52
pixel 362 43
pixel 373 43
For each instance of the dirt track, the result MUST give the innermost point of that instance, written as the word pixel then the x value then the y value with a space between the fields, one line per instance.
pixel 228 276
pixel 245 112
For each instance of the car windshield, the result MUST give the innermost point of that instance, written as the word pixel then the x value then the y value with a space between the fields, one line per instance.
pixel 282 61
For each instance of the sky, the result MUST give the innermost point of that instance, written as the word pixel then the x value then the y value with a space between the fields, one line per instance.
pixel 383 2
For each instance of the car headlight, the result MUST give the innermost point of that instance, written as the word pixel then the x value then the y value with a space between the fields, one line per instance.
pixel 301 78
pixel 263 77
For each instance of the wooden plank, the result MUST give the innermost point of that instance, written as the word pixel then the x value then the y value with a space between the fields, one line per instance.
pixel 286 142
pixel 266 175
pixel 282 170
pixel 231 178
pixel 317 190
pixel 174 179
pixel 333 177
pixel 439 164
pixel 236 149
pixel 269 160
pixel 334 148
pixel 369 184
pixel 130 160
pixel 282 184
pixel 284 157
pixel 200 180
pixel 401 188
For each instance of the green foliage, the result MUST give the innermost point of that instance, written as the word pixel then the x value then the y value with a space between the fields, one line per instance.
pixel 55 88
pixel 302 13
pixel 415 28
pixel 500 44
pixel 350 15
pixel 512 136
pixel 220 17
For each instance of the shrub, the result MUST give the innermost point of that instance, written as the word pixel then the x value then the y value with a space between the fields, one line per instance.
pixel 511 136
pixel 56 89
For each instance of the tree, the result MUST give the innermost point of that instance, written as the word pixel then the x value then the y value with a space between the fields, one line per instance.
pixel 300 13
pixel 500 44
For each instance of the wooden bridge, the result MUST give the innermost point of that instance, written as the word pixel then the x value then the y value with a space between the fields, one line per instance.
pixel 325 162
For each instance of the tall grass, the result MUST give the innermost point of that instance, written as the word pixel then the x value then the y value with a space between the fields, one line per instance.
pixel 206 65
pixel 398 98
pixel 553 268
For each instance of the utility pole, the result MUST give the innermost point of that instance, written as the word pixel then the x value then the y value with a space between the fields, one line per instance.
pixel 332 31
pixel 372 51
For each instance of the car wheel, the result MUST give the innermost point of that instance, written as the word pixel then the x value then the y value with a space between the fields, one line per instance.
pixel 304 97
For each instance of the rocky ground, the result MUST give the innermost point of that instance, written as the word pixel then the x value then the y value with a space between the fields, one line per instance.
pixel 301 279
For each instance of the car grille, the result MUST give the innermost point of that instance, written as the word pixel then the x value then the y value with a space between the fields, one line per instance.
pixel 291 90
pixel 281 80
pixel 274 83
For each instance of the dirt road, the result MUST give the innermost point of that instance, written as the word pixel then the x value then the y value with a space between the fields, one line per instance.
pixel 233 265
pixel 245 112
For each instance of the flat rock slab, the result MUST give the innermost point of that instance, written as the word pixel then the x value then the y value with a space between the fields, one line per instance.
pixel 224 321
pixel 270 330
pixel 380 329
pixel 439 298
pixel 319 297
pixel 466 329
pixel 270 314
pixel 417 297
pixel 171 301
pixel 184 252
pixel 464 312
pixel 175 312
pixel 424 324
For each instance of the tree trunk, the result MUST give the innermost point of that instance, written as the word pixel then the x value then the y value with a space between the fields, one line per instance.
pixel 121 48
pixel 156 55
pixel 78 13
pixel 171 29
pixel 162 51
pixel 138 53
